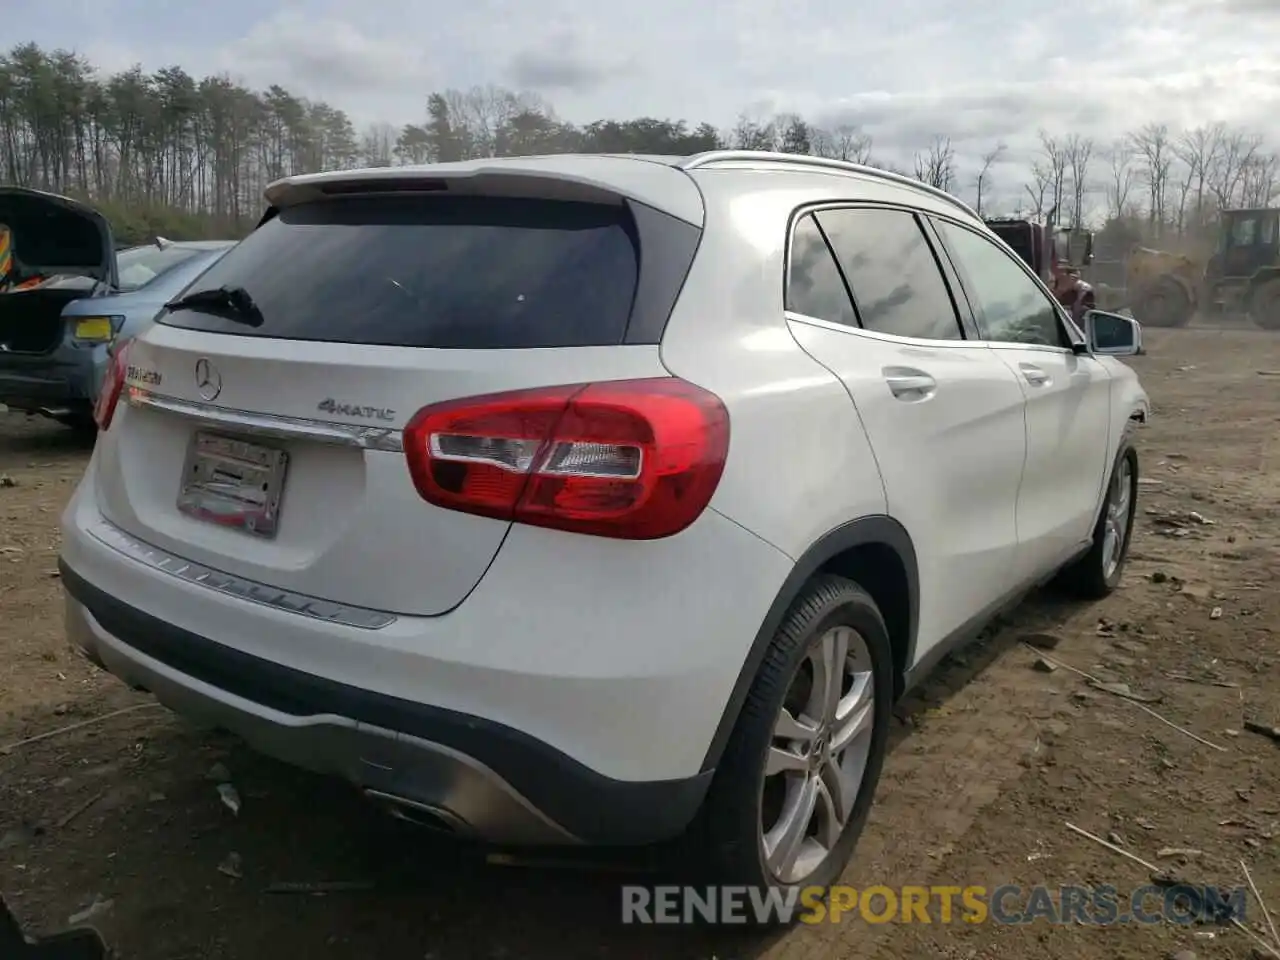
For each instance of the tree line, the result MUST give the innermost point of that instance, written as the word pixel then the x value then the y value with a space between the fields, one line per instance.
pixel 166 152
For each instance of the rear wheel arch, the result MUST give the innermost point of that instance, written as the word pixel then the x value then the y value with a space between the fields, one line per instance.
pixel 874 552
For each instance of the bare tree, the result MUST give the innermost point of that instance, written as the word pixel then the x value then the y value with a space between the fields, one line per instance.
pixel 1181 190
pixel 750 133
pixel 937 166
pixel 1239 150
pixel 794 135
pixel 1079 155
pixel 1154 152
pixel 1054 162
pixel 1200 150
pixel 1121 178
pixel 378 144
pixel 983 180
pixel 1040 187
pixel 846 142
pixel 852 143
pixel 483 112
pixel 1258 182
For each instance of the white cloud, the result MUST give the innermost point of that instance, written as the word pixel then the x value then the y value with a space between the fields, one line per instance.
pixel 906 70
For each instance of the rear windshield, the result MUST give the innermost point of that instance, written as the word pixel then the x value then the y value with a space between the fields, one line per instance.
pixel 463 272
pixel 138 266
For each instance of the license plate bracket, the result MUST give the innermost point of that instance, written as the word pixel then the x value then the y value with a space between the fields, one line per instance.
pixel 234 483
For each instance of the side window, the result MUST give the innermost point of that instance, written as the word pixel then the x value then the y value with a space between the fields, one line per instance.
pixel 1268 236
pixel 896 282
pixel 1244 232
pixel 814 286
pixel 1011 307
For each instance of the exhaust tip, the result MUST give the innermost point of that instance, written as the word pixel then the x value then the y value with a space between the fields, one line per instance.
pixel 436 819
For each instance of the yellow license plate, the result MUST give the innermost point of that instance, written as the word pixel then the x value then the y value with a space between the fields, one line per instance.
pixel 93 328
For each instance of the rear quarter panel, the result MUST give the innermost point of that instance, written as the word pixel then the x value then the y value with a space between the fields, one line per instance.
pixel 799 462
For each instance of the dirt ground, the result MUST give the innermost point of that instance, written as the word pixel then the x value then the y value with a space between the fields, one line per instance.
pixel 988 761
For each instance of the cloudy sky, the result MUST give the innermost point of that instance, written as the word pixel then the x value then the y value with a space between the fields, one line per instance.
pixel 905 69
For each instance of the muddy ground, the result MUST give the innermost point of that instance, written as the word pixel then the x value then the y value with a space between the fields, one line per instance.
pixel 988 760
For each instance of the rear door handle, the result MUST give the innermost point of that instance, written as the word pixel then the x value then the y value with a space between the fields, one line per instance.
pixel 1034 375
pixel 908 384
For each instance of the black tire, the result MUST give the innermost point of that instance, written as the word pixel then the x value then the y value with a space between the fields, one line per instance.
pixel 738 796
pixel 1264 306
pixel 1165 303
pixel 1088 578
pixel 81 423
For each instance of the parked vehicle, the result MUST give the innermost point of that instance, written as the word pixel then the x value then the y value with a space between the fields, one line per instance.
pixel 597 499
pixel 55 335
pixel 1046 248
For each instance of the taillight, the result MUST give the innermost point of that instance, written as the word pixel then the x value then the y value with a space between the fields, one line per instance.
pixel 633 459
pixel 112 384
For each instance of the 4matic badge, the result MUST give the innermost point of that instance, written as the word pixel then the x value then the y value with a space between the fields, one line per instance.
pixel 330 405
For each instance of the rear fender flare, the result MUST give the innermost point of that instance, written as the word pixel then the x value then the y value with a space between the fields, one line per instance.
pixel 877 530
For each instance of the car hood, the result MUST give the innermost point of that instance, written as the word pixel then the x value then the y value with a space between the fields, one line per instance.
pixel 57 235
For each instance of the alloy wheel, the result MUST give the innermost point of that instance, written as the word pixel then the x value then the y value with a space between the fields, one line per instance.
pixel 819 752
pixel 1116 524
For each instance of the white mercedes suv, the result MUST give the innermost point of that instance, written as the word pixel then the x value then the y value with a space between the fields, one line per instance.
pixel 597 499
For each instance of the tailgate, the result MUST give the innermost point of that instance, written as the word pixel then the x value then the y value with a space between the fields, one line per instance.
pixel 273 453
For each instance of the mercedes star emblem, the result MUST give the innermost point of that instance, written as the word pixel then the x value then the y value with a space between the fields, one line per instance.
pixel 208 379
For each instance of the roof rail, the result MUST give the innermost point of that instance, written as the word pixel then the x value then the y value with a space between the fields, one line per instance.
pixel 711 157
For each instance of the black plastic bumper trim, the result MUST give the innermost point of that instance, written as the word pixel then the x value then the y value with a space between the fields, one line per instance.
pixel 594 808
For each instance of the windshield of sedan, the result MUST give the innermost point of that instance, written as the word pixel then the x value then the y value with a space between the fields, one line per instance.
pixel 138 266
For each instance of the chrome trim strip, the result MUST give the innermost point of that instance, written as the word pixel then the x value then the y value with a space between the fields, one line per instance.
pixel 112 536
pixel 358 435
pixel 804 318
pixel 809 321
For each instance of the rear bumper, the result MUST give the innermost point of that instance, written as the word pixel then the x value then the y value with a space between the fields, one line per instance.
pixel 479 777
pixel 68 377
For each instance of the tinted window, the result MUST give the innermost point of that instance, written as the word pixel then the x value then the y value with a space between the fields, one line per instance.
pixel 1009 305
pixel 814 286
pixel 138 266
pixel 896 283
pixel 467 272
pixel 1244 232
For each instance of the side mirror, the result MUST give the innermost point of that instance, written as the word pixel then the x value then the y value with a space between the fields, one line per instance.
pixel 1113 334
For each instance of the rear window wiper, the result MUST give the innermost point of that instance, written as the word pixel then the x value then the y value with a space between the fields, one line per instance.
pixel 234 303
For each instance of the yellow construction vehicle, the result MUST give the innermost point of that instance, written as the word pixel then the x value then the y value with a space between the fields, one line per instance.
pixel 1240 278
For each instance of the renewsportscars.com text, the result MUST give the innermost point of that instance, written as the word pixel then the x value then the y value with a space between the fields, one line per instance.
pixel 1006 904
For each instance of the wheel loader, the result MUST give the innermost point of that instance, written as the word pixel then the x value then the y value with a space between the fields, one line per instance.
pixel 1240 279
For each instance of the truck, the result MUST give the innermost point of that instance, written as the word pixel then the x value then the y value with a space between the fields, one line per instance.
pixel 1046 248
